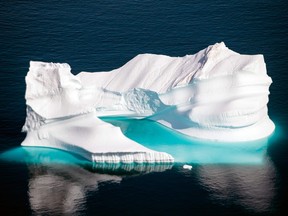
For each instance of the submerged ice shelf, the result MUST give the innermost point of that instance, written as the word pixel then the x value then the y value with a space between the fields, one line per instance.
pixel 216 94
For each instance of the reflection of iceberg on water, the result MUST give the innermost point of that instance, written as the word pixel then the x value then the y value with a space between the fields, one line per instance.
pixel 62 189
pixel 252 187
pixel 216 94
pixel 60 182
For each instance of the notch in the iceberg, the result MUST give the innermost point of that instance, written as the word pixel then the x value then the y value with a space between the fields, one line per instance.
pixel 215 94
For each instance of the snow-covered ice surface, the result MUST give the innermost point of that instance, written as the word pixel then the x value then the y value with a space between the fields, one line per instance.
pixel 216 94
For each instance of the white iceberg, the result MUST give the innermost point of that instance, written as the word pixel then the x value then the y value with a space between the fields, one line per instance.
pixel 216 94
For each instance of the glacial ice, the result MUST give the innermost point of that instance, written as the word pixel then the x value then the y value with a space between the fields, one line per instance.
pixel 215 94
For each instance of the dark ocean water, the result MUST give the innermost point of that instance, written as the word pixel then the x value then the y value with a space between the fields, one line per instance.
pixel 103 35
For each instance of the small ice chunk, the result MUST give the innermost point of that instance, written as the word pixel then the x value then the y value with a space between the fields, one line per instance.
pixel 186 166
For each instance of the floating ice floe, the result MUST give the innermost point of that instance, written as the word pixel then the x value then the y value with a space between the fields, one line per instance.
pixel 216 94
pixel 186 166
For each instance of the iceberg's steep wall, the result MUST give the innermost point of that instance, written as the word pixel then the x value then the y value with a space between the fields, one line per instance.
pixel 216 94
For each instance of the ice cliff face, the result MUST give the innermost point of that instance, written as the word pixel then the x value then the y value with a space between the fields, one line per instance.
pixel 216 94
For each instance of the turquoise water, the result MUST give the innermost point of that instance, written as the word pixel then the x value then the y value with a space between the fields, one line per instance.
pixel 185 149
pixel 226 179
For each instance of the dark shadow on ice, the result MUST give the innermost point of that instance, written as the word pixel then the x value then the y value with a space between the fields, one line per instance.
pixel 176 118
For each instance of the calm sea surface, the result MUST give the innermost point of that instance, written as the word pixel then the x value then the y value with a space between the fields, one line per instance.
pixel 248 179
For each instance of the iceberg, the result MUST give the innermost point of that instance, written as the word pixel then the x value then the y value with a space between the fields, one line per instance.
pixel 215 94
